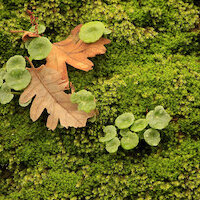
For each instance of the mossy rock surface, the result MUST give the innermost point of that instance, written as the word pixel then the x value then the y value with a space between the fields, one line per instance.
pixel 153 60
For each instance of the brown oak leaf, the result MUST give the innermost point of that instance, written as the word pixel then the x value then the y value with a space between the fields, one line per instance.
pixel 74 52
pixel 47 86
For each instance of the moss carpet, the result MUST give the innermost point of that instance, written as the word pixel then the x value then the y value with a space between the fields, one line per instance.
pixel 153 60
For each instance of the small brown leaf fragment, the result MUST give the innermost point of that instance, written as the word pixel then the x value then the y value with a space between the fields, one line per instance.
pixel 74 52
pixel 47 86
pixel 27 35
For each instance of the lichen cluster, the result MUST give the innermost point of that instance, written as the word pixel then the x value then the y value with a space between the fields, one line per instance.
pixel 153 60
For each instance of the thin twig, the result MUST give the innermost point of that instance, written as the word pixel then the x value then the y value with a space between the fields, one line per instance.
pixel 29 12
pixel 17 31
pixel 27 58
pixel 71 86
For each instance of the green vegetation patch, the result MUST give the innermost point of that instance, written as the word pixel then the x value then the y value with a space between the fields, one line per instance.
pixel 153 60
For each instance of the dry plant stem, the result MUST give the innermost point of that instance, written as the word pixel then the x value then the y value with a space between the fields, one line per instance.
pixel 72 87
pixel 17 31
pixel 36 26
pixel 33 20
pixel 31 64
pixel 16 93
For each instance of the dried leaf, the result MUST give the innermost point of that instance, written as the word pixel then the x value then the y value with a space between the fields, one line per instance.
pixel 47 86
pixel 28 35
pixel 74 52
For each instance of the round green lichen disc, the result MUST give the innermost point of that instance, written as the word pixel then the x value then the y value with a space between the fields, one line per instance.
pixel 39 48
pixel 5 94
pixel 139 125
pixel 130 141
pixel 85 100
pixel 92 119
pixel 82 95
pixel 91 32
pixel 2 73
pixel 28 42
pixel 152 137
pixel 107 31
pixel 16 62
pixel 41 29
pixel 75 98
pixel 110 131
pixel 124 121
pixel 124 132
pixel 1 81
pixel 112 145
pixel 158 118
pixel 18 79
pixel 87 106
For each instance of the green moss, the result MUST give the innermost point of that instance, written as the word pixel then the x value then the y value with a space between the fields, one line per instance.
pixel 153 60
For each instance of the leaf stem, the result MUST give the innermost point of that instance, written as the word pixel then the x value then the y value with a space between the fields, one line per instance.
pixel 17 93
pixel 27 58
pixel 71 86
pixel 30 58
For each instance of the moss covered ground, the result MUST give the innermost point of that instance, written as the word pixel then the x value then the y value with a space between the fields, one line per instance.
pixel 153 60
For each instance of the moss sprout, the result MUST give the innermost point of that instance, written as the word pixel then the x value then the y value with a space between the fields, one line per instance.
pixel 139 125
pixel 84 99
pixel 39 48
pixel 112 145
pixel 124 132
pixel 91 31
pixel 28 41
pixel 129 141
pixel 158 118
pixel 13 76
pixel 5 94
pixel 152 137
pixel 18 79
pixel 92 119
pixel 1 81
pixel 107 31
pixel 15 62
pixel 110 131
pixel 124 121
